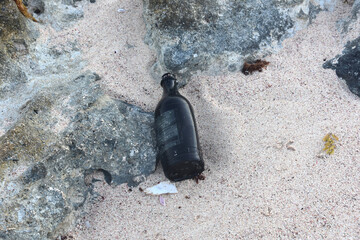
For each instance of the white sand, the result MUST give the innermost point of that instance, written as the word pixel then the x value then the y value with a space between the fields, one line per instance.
pixel 255 187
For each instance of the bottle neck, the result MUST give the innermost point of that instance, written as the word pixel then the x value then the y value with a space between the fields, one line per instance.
pixel 169 85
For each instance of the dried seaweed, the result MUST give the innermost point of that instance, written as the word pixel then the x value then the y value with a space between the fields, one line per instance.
pixel 24 11
pixel 329 140
pixel 199 177
pixel 258 65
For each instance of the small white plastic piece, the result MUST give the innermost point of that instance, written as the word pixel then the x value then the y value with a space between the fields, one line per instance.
pixel 161 188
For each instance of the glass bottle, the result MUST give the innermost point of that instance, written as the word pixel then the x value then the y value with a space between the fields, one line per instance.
pixel 176 134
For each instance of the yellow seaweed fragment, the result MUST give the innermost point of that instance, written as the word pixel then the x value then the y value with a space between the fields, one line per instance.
pixel 327 136
pixel 335 137
pixel 23 9
pixel 329 140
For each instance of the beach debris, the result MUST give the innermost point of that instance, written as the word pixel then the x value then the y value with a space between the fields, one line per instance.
pixel 199 177
pixel 289 147
pixel 286 143
pixel 183 161
pixel 120 10
pixel 251 67
pixel 329 140
pixel 23 9
pixel 162 200
pixel 161 188
pixel 321 155
pixel 266 212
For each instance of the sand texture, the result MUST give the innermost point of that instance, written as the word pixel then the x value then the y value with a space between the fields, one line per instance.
pixel 261 136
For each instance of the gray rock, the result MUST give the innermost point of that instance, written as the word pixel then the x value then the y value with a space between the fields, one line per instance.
pixel 59 132
pixel 14 42
pixel 65 134
pixel 193 35
pixel 344 24
pixel 15 38
pixel 347 65
pixel 58 13
pixel 26 66
pixel 35 7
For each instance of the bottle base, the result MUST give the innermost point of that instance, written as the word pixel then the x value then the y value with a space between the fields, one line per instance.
pixel 184 169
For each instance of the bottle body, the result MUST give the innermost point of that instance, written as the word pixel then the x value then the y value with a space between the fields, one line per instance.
pixel 176 134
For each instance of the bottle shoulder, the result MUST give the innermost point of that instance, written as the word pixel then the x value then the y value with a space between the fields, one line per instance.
pixel 170 102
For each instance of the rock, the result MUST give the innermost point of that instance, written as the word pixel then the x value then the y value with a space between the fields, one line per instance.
pixel 15 38
pixel 347 65
pixel 59 133
pixel 345 24
pixel 27 66
pixel 193 35
pixel 65 134
pixel 58 13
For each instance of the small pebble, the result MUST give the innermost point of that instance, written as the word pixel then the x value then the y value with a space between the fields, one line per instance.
pixel 87 224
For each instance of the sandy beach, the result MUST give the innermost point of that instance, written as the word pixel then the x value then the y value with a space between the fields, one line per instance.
pixel 261 136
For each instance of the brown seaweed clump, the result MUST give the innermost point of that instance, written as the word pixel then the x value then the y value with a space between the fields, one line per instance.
pixel 258 65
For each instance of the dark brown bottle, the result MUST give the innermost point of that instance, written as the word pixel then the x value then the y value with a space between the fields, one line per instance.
pixel 176 134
